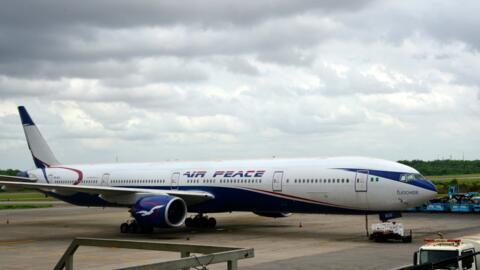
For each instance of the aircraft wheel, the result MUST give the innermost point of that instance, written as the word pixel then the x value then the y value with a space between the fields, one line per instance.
pixel 202 222
pixel 138 228
pixel 124 228
pixel 189 223
pixel 211 223
pixel 132 228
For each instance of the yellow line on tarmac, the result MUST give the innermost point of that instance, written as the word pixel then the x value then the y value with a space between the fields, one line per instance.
pixel 4 243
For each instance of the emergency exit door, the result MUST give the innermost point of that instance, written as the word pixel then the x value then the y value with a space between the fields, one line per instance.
pixel 174 180
pixel 105 179
pixel 361 180
pixel 277 181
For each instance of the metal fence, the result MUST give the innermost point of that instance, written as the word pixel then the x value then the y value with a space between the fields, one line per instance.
pixel 208 254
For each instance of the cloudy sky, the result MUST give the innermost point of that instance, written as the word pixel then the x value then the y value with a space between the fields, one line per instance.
pixel 192 80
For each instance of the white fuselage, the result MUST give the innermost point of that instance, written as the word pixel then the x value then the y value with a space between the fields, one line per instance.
pixel 316 185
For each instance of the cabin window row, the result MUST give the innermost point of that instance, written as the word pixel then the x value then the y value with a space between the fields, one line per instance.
pixel 241 181
pixel 319 181
pixel 225 181
pixel 89 181
pixel 138 181
pixel 64 181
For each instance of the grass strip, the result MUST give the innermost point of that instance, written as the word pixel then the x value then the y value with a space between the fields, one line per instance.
pixel 23 206
pixel 21 196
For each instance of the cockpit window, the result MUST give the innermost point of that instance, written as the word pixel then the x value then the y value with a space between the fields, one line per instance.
pixel 409 177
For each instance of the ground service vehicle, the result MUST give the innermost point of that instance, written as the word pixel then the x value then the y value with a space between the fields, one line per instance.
pixel 435 251
pixel 388 231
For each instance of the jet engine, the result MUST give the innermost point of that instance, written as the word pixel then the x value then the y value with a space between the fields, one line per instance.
pixel 272 214
pixel 160 211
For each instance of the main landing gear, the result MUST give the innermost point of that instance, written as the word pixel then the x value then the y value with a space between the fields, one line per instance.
pixel 200 221
pixel 132 226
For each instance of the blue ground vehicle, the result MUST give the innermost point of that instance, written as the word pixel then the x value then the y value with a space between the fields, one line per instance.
pixel 438 205
pixel 476 204
pixel 462 203
pixel 455 202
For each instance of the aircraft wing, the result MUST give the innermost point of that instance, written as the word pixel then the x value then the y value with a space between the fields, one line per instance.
pixel 118 195
pixel 17 179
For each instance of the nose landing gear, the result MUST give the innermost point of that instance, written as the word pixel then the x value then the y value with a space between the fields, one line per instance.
pixel 201 221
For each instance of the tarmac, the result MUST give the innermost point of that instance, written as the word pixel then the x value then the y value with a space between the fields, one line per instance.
pixel 37 238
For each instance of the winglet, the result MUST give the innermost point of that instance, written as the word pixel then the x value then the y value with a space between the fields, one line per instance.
pixel 26 119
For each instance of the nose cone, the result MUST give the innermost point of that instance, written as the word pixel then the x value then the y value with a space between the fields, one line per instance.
pixel 426 184
pixel 429 190
pixel 433 190
pixel 425 191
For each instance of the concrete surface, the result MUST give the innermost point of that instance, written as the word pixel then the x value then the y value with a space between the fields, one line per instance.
pixel 36 239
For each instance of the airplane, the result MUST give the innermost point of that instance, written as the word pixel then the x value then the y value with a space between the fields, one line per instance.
pixel 161 195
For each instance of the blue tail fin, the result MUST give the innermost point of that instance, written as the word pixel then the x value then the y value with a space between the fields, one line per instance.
pixel 42 155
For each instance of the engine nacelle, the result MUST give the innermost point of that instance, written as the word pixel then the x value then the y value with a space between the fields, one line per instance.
pixel 161 211
pixel 273 214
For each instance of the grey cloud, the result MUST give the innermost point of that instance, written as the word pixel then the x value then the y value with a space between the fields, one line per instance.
pixel 238 65
pixel 89 31
pixel 124 13
pixel 288 56
pixel 66 69
pixel 231 79
pixel 444 21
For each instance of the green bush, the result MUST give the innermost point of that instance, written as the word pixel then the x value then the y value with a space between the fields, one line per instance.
pixel 444 167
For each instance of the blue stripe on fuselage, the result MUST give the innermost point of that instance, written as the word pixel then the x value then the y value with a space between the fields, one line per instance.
pixel 395 176
pixel 228 199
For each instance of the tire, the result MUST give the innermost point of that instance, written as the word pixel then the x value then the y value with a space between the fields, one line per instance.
pixel 189 223
pixel 211 223
pixel 203 222
pixel 138 228
pixel 132 228
pixel 407 239
pixel 124 228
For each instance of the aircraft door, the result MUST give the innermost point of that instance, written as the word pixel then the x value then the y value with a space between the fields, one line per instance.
pixel 361 180
pixel 277 181
pixel 105 179
pixel 174 180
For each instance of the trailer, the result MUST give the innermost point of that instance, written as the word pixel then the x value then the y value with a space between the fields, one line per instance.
pixel 461 203
pixel 438 205
pixel 455 202
pixel 476 204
